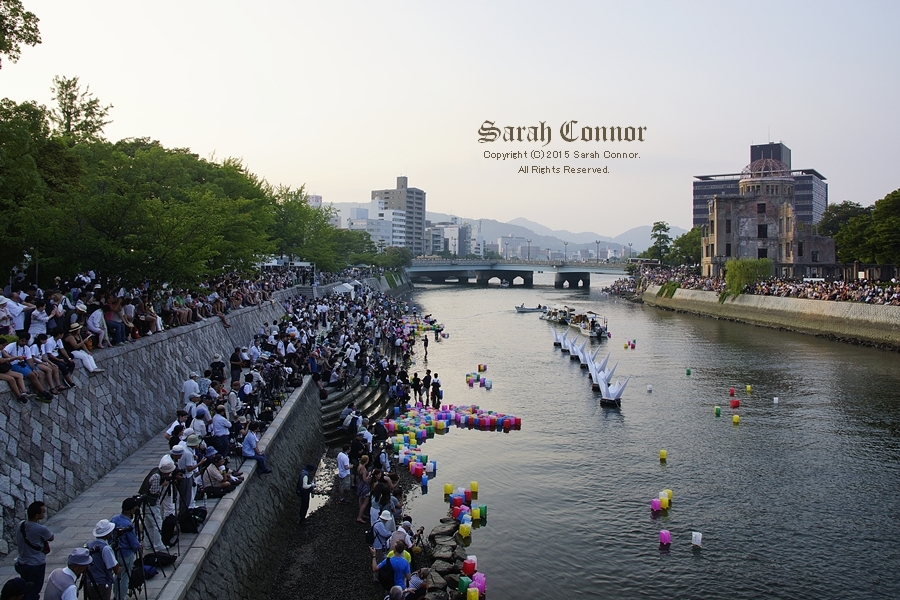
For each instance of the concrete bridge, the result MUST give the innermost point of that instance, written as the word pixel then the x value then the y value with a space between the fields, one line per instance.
pixel 576 274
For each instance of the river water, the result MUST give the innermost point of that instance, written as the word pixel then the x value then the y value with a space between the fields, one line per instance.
pixel 800 500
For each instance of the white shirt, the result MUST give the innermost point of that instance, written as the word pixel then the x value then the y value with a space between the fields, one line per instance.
pixel 17 311
pixel 189 387
pixel 52 346
pixel 95 321
pixel 14 349
pixel 343 464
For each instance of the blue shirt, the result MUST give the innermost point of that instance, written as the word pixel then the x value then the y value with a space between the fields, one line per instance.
pixel 401 568
pixel 128 542
pixel 250 441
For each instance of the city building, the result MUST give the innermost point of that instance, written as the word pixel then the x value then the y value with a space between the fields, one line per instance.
pixel 452 236
pixel 314 200
pixel 810 197
pixel 386 227
pixel 412 202
pixel 762 221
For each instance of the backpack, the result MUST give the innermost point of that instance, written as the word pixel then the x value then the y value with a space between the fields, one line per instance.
pixel 169 531
pixel 159 559
pixel 386 574
pixel 323 394
pixel 145 487
pixel 138 576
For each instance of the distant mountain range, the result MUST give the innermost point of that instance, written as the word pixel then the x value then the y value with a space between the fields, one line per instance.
pixel 540 235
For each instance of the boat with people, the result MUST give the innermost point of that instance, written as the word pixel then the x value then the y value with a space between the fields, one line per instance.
pixel 527 309
pixel 590 324
pixel 558 314
pixel 504 283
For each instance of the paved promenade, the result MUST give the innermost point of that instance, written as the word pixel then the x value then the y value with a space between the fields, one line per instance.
pixel 74 524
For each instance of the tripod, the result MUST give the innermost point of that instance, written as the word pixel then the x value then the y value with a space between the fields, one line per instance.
pixel 142 528
pixel 128 569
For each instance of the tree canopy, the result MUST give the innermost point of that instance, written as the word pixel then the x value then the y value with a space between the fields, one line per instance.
pixel 143 212
pixel 662 242
pixel 18 27
pixel 870 234
pixel 686 248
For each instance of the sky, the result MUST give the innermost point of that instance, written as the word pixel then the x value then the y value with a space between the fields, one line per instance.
pixel 343 97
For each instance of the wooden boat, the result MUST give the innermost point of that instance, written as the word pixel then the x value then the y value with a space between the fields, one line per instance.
pixel 590 324
pixel 525 309
pixel 558 314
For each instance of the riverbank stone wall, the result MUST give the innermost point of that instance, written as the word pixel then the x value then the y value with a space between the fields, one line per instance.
pixel 52 452
pixel 240 536
pixel 850 321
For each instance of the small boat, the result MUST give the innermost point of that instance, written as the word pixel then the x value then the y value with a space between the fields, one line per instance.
pixel 590 324
pixel 558 314
pixel 504 283
pixel 523 309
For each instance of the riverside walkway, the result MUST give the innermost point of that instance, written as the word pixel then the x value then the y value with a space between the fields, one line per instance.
pixel 73 525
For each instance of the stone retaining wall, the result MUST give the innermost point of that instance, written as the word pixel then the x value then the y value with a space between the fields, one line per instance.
pixel 53 452
pixel 878 325
pixel 236 543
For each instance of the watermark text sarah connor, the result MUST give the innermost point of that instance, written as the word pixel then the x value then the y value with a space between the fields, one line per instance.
pixel 569 131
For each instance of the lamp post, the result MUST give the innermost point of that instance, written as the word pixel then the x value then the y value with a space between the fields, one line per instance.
pixel 566 253
pixel 598 251
pixel 529 249
pixel 507 250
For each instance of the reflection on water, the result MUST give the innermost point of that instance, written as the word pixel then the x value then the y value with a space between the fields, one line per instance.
pixel 798 501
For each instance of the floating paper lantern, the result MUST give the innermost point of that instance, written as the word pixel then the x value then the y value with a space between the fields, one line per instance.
pixel 736 419
pixel 662 455
pixel 697 539
pixel 665 537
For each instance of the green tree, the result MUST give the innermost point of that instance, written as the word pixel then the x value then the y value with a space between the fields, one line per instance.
pixel 37 173
pixel 17 27
pixel 686 248
pixel 78 116
pixel 299 230
pixel 886 229
pixel 837 216
pixel 662 242
pixel 147 213
pixel 743 272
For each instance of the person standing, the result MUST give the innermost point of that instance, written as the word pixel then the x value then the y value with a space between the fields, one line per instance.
pixel 436 391
pixel 61 583
pixel 33 540
pixel 305 488
pixel 104 565
pixel 425 345
pixel 343 465
pixel 128 545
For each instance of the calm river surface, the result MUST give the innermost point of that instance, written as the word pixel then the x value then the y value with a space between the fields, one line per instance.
pixel 801 500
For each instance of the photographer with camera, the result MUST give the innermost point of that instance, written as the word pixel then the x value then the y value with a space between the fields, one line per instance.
pixel 125 544
pixel 104 566
pixel 33 540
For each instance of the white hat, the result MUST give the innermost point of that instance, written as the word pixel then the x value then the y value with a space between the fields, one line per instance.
pixel 3 300
pixel 103 528
pixel 386 515
pixel 193 374
pixel 217 356
pixel 166 464
pixel 177 450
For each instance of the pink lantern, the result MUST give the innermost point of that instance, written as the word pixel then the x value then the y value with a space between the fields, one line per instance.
pixel 654 504
pixel 665 537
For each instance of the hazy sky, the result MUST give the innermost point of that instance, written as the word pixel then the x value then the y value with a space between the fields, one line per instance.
pixel 345 96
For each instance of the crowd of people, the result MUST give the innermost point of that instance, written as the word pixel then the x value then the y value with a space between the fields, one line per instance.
pixel 61 328
pixel 864 291
pixel 106 561
pixel 335 340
